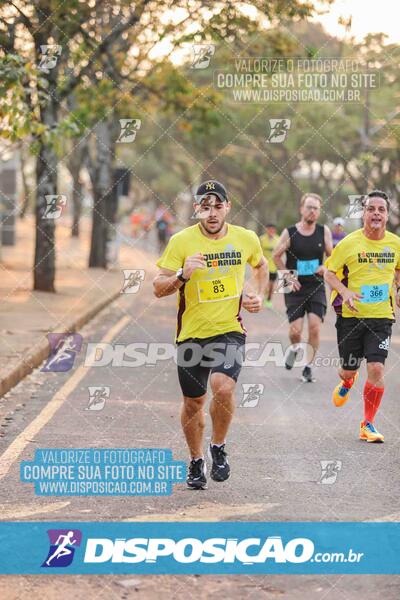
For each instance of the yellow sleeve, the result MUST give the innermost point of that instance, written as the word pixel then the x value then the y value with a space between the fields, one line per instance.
pixel 337 259
pixel 173 257
pixel 256 252
pixel 398 262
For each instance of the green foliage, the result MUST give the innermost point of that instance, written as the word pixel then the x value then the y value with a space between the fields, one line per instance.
pixel 227 140
pixel 190 129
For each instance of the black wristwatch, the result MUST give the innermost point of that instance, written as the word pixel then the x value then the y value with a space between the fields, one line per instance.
pixel 179 275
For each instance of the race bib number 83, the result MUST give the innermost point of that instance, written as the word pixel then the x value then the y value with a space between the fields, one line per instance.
pixel 221 288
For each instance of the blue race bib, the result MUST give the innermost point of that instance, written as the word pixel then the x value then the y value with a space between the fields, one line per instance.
pixel 375 293
pixel 307 267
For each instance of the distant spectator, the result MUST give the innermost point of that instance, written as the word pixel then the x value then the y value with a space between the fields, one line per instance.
pixel 136 223
pixel 147 224
pixel 338 232
pixel 164 221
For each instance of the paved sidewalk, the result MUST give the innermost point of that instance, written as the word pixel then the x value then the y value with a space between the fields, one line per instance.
pixel 26 316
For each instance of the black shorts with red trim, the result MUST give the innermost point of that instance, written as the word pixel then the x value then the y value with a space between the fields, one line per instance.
pixel 199 357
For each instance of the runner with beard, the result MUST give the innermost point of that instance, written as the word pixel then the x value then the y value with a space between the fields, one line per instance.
pixel 206 265
pixel 305 244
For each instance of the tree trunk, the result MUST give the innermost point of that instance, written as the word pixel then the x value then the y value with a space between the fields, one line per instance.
pixel 46 177
pixel 27 194
pixel 102 183
pixel 46 171
pixel 75 162
pixel 74 166
pixel 76 206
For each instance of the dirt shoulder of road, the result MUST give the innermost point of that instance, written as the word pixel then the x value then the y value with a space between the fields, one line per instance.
pixel 26 317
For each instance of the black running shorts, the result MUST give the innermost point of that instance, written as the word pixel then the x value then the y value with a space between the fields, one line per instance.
pixel 198 357
pixel 308 299
pixel 362 338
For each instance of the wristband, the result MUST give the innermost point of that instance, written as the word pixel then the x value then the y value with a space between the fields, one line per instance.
pixel 179 275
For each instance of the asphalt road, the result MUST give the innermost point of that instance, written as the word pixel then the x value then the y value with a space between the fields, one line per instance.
pixel 275 450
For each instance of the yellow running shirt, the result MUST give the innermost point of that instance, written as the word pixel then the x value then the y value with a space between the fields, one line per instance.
pixel 209 303
pixel 268 245
pixel 367 267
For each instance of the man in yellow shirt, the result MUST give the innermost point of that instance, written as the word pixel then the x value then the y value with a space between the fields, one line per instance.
pixel 206 265
pixel 269 241
pixel 362 270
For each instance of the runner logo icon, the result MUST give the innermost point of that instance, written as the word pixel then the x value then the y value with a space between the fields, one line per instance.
pixel 278 130
pixel 49 56
pixel 97 397
pixel 129 128
pixel 329 471
pixel 55 204
pixel 62 547
pixel 132 280
pixel 355 207
pixel 251 394
pixel 63 349
pixel 202 54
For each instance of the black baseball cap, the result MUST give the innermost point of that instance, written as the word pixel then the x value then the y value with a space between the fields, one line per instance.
pixel 212 186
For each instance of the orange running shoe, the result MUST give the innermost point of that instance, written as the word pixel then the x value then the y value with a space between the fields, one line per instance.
pixel 341 393
pixel 369 433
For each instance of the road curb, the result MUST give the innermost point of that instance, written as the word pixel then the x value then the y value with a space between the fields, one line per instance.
pixel 41 350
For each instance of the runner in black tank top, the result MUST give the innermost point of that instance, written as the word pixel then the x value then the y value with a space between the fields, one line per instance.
pixel 305 245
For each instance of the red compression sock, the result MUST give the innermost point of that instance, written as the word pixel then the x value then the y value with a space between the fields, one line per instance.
pixel 372 399
pixel 348 383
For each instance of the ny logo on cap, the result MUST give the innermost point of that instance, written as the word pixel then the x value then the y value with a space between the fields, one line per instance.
pixel 210 186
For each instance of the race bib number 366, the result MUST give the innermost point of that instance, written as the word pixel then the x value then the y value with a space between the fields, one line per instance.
pixel 221 288
pixel 375 293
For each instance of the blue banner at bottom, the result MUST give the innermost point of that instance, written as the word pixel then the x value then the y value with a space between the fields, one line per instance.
pixel 199 548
